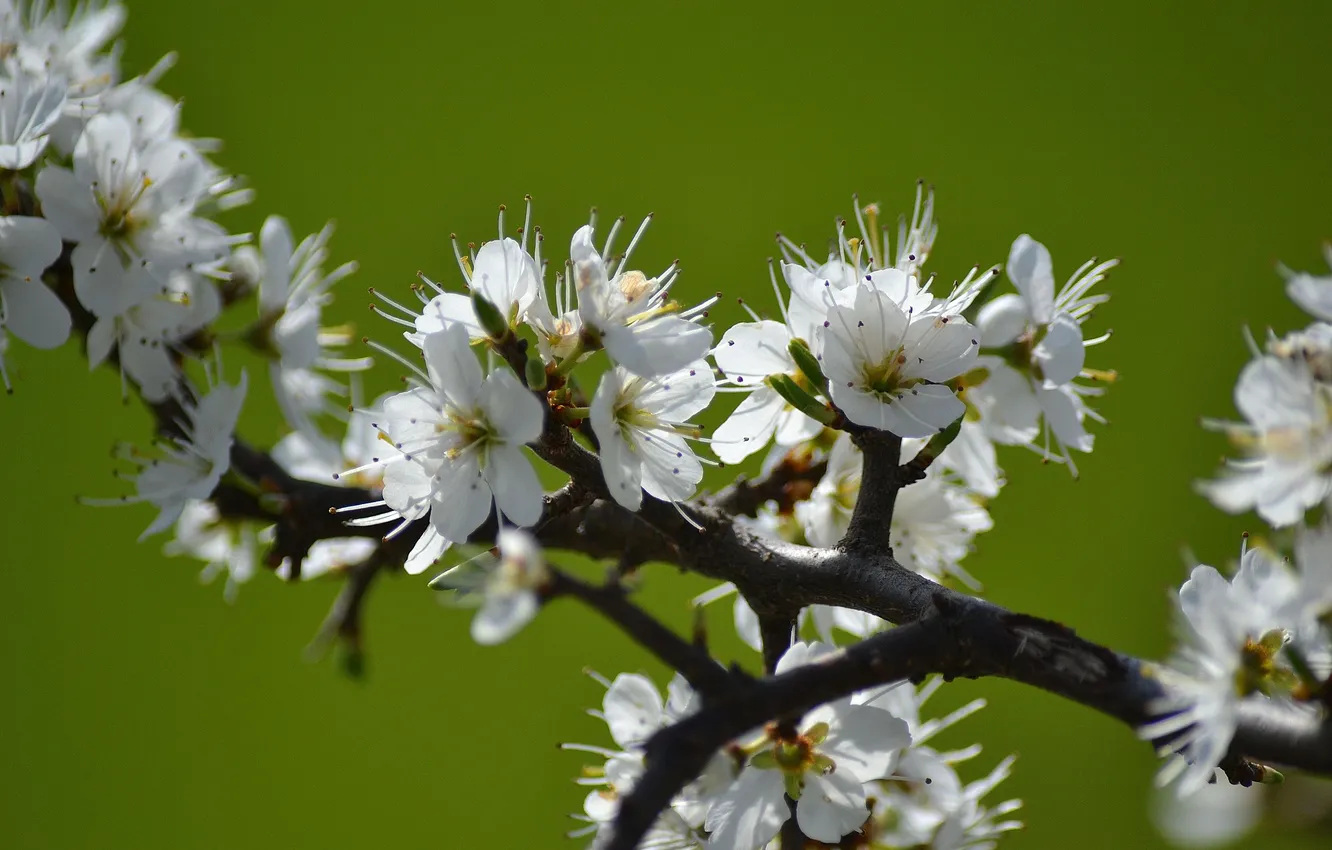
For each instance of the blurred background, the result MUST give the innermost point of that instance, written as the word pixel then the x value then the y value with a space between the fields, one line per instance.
pixel 1191 140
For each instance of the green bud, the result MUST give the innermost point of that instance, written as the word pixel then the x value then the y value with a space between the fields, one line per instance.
pixel 1270 775
pixel 939 442
pixel 535 373
pixel 800 399
pixel 489 316
pixel 808 363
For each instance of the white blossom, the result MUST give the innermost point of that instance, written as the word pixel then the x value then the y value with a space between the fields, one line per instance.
pixel 1038 337
pixel 1216 816
pixel 293 291
pixel 1287 440
pixel 632 316
pixel 144 335
pixel 507 583
pixel 633 709
pixel 131 212
pixel 459 439
pixel 187 467
pixel 1234 634
pixel 226 547
pixel 503 273
pixel 44 38
pixel 838 748
pixel 886 365
pixel 642 425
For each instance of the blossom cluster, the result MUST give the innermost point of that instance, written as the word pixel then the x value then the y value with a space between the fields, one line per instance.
pixel 861 765
pixel 109 228
pixel 1262 636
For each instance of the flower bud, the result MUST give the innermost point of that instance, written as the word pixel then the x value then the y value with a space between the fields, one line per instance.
pixel 489 316
pixel 800 399
pixel 808 364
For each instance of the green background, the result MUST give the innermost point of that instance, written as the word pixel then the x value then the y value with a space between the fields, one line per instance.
pixel 140 710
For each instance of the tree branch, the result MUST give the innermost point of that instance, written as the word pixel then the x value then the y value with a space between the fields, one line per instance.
pixel 705 675
pixel 872 517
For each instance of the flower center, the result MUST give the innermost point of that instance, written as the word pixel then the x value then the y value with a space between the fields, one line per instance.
pixel 1259 672
pixel 885 377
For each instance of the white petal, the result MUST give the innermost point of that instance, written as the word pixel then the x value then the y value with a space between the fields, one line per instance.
pixel 510 408
pixel 677 396
pixel 747 624
pixel 1274 393
pixel 33 313
pixel 28 245
pixel 934 406
pixel 939 348
pixel 452 366
pixel 1312 294
pixel 1032 272
pixel 831 806
pixel 502 615
pixel 750 813
pixel 275 241
pixel 750 351
pixel 1061 414
pixel 449 308
pixel 68 203
pixel 864 741
pixel 972 456
pixel 505 275
pixel 426 551
pixel 633 710
pixel 462 498
pixel 750 426
pixel 1061 353
pixel 101 338
pixel 1002 320
pixel 671 471
pixel 658 346
pixel 517 489
pixel 407 489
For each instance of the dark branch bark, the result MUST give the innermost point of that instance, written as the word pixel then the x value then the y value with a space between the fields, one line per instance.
pixel 872 516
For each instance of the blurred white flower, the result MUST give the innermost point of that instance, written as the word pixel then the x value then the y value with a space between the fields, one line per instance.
pixel 505 584
pixel 225 547
pixel 188 467
pixel 1312 293
pixel 1234 634
pixel 293 291
pixel 131 213
pixel 1287 440
pixel 29 106
pixel 28 308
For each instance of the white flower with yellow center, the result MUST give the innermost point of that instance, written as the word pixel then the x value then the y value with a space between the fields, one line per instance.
pixel 131 211
pixel 823 765
pixel 632 315
pixel 642 425
pixel 886 365
pixel 459 440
